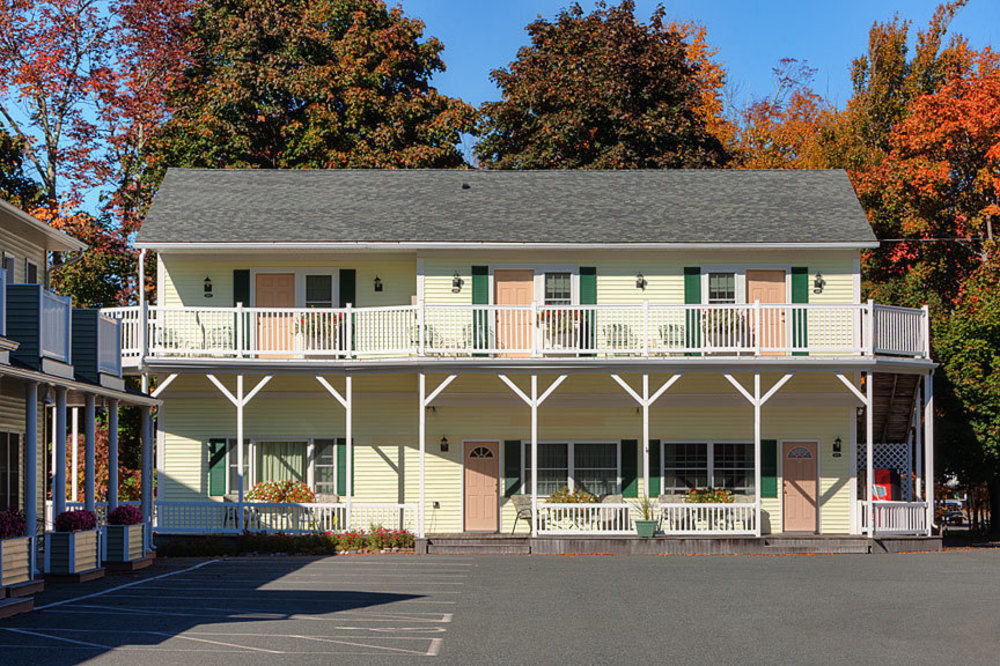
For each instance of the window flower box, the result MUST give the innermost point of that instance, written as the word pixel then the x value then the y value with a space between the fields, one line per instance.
pixel 15 563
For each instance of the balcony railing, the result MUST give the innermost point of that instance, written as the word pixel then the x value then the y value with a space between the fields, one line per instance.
pixel 894 517
pixel 57 313
pixel 522 331
pixel 670 519
pixel 109 345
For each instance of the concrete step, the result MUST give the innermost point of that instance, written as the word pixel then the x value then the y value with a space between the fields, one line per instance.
pixel 814 545
pixel 16 606
pixel 484 546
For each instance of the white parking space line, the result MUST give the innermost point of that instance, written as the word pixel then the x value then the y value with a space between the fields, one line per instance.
pixel 57 638
pixel 251 596
pixel 232 645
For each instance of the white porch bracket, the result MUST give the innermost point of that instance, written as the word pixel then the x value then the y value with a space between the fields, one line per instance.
pixel 646 401
pixel 425 401
pixel 163 385
pixel 854 389
pixel 240 400
pixel 346 401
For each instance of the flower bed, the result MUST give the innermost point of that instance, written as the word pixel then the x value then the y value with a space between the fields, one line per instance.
pixel 72 548
pixel 124 539
pixel 15 549
pixel 329 543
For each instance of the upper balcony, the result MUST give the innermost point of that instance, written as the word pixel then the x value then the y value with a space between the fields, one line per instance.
pixel 97 348
pixel 40 321
pixel 484 332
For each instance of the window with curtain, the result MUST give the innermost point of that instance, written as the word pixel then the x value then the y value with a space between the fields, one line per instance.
pixel 558 289
pixel 595 467
pixel 233 482
pixel 721 288
pixel 733 467
pixel 725 465
pixel 10 470
pixel 685 467
pixel 319 291
pixel 325 466
pixel 553 467
pixel 281 461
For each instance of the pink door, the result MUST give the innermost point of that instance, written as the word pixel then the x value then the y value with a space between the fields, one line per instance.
pixel 768 287
pixel 800 481
pixel 482 485
pixel 513 287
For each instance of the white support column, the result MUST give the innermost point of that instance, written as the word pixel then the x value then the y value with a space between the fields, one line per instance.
pixel 534 455
pixel 75 455
pixel 422 430
pixel 90 446
pixel 112 453
pixel 918 436
pixel 929 448
pixel 756 447
pixel 59 474
pixel 240 453
pixel 645 425
pixel 869 450
pixel 349 443
pixel 146 434
pixel 31 471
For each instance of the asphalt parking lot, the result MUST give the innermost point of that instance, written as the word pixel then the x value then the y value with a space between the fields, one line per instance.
pixel 927 608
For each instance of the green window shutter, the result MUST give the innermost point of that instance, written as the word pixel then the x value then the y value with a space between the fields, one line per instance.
pixel 342 467
pixel 480 296
pixel 692 296
pixel 588 296
pixel 241 287
pixel 348 287
pixel 800 319
pixel 512 467
pixel 769 468
pixel 654 468
pixel 630 468
pixel 216 467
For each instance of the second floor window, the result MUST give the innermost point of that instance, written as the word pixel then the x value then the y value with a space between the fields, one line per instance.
pixel 8 267
pixel 319 291
pixel 558 289
pixel 721 288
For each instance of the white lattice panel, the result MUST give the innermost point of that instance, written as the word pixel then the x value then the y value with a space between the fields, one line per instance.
pixel 897 456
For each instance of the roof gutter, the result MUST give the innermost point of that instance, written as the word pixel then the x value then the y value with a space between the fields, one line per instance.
pixel 298 246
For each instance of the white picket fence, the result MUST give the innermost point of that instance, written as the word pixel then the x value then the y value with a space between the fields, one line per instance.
pixel 644 330
pixel 232 518
pixel 672 519
pixel 894 517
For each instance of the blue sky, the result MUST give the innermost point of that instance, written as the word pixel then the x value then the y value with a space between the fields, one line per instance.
pixel 751 35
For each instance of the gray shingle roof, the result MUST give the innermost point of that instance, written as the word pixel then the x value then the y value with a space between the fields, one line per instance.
pixel 566 207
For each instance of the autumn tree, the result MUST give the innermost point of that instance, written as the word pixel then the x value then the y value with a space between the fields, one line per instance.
pixel 604 90
pixel 312 83
pixel 16 187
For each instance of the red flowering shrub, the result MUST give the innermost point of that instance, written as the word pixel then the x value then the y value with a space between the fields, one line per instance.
pixel 12 524
pixel 76 521
pixel 576 496
pixel 125 514
pixel 708 496
pixel 354 540
pixel 282 491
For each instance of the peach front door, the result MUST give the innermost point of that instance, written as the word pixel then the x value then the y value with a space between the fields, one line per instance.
pixel 275 330
pixel 514 287
pixel 768 287
pixel 800 480
pixel 482 485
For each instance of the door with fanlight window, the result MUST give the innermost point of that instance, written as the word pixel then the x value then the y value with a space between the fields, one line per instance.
pixel 482 486
pixel 800 499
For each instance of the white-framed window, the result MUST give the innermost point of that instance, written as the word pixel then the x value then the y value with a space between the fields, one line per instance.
pixel 10 470
pixel 310 460
pixel 692 465
pixel 8 267
pixel 591 466
pixel 319 291
pixel 30 272
pixel 325 466
pixel 558 289
pixel 722 287
pixel 232 467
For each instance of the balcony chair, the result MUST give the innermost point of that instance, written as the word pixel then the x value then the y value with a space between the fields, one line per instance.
pixel 522 508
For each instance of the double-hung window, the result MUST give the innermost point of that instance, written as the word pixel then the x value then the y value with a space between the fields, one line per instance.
pixel 721 287
pixel 589 466
pixel 325 466
pixel 692 465
pixel 558 289
pixel 319 291
pixel 233 468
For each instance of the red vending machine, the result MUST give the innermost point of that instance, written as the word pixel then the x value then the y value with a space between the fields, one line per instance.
pixel 886 485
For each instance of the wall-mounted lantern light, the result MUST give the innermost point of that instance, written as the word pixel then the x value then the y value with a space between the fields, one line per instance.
pixel 640 281
pixel 456 283
pixel 818 284
pixel 444 444
pixel 208 287
pixel 378 283
pixel 837 444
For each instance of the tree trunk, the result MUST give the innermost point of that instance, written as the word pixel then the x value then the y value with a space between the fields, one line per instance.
pixel 994 491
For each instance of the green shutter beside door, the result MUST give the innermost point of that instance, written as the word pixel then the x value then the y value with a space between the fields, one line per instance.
pixel 654 468
pixel 348 287
pixel 217 467
pixel 692 296
pixel 800 318
pixel 769 468
pixel 630 468
pixel 241 287
pixel 341 448
pixel 588 296
pixel 512 467
pixel 480 296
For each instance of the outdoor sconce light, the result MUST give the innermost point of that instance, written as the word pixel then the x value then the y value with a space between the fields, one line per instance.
pixel 836 445
pixel 208 287
pixel 818 284
pixel 456 283
pixel 444 445
pixel 640 281
pixel 378 283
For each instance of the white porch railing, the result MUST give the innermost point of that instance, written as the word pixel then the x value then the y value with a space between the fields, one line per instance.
pixel 541 331
pixel 109 345
pixel 894 517
pixel 208 517
pixel 672 519
pixel 57 313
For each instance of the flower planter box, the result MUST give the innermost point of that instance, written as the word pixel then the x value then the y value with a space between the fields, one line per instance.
pixel 71 553
pixel 14 561
pixel 124 543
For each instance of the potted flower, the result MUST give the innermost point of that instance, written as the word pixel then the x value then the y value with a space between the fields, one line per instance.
pixel 645 525
pixel 15 549
pixel 71 549
pixel 124 535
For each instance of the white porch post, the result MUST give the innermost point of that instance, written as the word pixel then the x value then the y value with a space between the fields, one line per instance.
pixel 75 455
pixel 59 474
pixel 31 470
pixel 869 450
pixel 240 481
pixel 929 448
pixel 645 426
pixel 756 448
pixel 146 433
pixel 349 443
pixel 112 453
pixel 422 420
pixel 534 455
pixel 90 445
